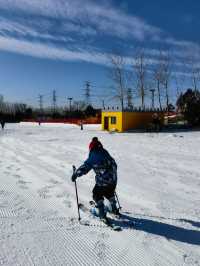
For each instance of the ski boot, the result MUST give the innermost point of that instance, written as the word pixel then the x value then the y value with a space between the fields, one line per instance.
pixel 99 210
pixel 113 205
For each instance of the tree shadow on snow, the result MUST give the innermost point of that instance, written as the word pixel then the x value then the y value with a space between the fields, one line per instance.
pixel 193 223
pixel 171 232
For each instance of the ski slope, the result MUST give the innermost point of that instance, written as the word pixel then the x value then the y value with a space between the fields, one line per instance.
pixel 159 183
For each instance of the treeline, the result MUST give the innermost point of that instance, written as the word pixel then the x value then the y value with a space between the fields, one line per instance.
pixel 12 112
pixel 16 112
pixel 138 80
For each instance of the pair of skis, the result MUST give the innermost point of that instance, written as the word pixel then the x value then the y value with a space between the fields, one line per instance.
pixel 107 221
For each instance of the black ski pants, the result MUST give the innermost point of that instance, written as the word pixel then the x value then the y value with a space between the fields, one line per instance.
pixel 99 192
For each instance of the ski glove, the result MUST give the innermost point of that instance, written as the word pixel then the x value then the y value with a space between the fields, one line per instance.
pixel 74 177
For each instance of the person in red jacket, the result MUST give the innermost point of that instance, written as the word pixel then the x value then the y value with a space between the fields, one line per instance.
pixel 105 169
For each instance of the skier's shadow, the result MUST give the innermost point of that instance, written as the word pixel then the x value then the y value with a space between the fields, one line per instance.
pixel 171 232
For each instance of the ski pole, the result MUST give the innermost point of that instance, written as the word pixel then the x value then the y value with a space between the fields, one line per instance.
pixel 79 217
pixel 118 200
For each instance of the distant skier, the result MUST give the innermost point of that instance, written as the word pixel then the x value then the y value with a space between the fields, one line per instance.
pixel 2 124
pixel 105 169
pixel 156 122
pixel 81 125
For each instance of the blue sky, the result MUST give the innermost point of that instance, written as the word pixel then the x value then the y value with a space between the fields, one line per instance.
pixel 48 44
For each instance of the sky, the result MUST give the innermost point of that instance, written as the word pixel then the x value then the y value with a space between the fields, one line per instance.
pixel 48 45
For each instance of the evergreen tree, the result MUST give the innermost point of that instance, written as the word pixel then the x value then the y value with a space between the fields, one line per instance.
pixel 189 105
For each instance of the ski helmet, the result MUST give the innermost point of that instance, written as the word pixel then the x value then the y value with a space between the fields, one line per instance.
pixel 95 144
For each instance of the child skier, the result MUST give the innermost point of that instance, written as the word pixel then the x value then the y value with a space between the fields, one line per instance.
pixel 105 169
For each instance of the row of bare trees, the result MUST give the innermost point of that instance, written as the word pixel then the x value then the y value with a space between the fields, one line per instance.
pixel 11 108
pixel 151 79
pixel 12 111
pixel 18 111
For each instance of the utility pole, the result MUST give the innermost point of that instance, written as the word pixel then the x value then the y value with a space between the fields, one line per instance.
pixel 41 103
pixel 103 104
pixel 1 98
pixel 76 104
pixel 1 103
pixel 129 98
pixel 54 99
pixel 70 103
pixel 152 98
pixel 87 92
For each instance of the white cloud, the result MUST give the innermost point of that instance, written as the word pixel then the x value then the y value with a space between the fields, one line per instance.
pixel 41 50
pixel 77 28
pixel 88 19
pixel 11 27
pixel 91 17
pixel 182 43
pixel 83 18
pixel 104 18
pixel 49 51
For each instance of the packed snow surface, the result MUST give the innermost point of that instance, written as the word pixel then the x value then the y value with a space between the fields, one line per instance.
pixel 158 188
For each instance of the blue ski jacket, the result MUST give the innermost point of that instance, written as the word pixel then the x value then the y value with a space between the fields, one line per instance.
pixel 103 165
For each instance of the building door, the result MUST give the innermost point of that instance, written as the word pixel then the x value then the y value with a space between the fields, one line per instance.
pixel 106 123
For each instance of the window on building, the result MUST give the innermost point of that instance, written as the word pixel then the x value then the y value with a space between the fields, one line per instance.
pixel 113 120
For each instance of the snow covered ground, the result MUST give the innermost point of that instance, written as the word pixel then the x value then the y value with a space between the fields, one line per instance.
pixel 159 183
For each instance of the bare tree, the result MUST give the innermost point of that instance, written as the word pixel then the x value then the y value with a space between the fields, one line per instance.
pixel 79 105
pixel 118 74
pixel 192 61
pixel 161 76
pixel 1 103
pixel 179 79
pixel 158 77
pixel 140 70
pixel 166 69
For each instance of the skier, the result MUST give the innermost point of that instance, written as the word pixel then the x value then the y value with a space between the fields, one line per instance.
pixel 156 122
pixel 2 124
pixel 105 169
pixel 81 125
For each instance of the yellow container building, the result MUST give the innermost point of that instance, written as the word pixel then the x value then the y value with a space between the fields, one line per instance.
pixel 126 120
